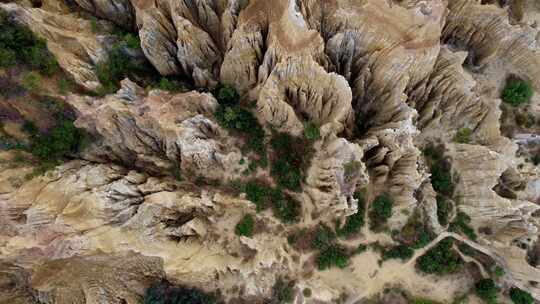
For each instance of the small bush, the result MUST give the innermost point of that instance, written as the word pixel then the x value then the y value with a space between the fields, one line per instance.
pixel 245 226
pixel 487 290
pixel 311 131
pixel 259 194
pixel 517 92
pixel 519 296
pixel 463 136
pixel 333 255
pixel 306 292
pixel 380 211
pixel 165 293
pixel 444 208
pixel 402 252
pixel 32 82
pixel 441 259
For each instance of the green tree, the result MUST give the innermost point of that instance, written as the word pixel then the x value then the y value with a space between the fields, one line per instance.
pixel 487 290
pixel 519 296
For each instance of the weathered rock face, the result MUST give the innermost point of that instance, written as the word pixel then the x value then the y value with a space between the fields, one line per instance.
pixel 383 80
pixel 159 132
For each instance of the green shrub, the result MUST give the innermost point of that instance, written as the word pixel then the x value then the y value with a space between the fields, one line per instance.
pixel 402 252
pixel 487 290
pixel 263 196
pixel 380 211
pixel 461 224
pixel 441 259
pixel 463 136
pixel 441 179
pixel 306 292
pixel 311 131
pixel 132 41
pixel 111 71
pixel 283 291
pixel 259 194
pixel 32 82
pixel 292 157
pixel 444 208
pixel 226 95
pixel 61 141
pixel 170 85
pixel 519 296
pixel 332 255
pixel 164 293
pixel 245 226
pixel 324 238
pixel 517 92
pixel 8 58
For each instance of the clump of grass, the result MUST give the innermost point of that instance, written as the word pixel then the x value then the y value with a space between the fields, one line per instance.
pixel 517 92
pixel 463 136
pixel 170 85
pixel 245 226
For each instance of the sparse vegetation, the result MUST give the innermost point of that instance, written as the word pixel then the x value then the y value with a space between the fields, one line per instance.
pixel 487 290
pixel 380 211
pixel 165 293
pixel 245 226
pixel 519 296
pixel 463 136
pixel 19 45
pixel 441 259
pixel 517 92
pixel 333 255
